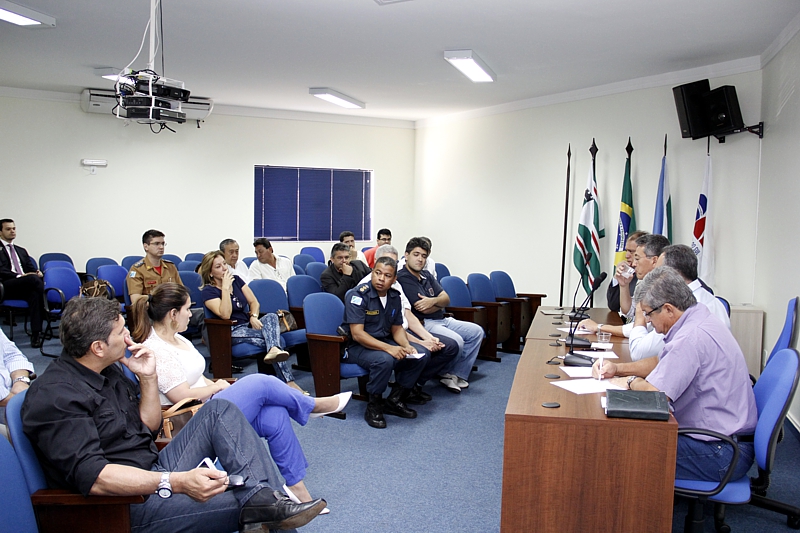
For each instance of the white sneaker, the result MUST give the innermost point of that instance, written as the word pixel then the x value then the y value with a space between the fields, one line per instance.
pixel 462 383
pixel 451 382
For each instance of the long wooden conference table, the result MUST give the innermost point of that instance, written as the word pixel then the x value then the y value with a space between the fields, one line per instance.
pixel 571 468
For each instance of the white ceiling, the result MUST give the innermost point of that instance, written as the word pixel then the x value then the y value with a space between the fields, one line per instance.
pixel 267 53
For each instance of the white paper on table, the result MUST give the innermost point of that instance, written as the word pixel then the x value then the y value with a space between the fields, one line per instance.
pixel 577 371
pixel 551 312
pixel 602 346
pixel 579 331
pixel 597 355
pixel 586 386
pixel 603 403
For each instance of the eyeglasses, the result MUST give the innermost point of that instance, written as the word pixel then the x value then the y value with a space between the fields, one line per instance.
pixel 157 244
pixel 653 310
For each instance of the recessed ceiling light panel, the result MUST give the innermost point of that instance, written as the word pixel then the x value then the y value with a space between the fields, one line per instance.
pixel 335 97
pixel 470 65
pixel 23 16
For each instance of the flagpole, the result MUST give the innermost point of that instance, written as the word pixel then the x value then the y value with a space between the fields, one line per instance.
pixel 593 150
pixel 564 242
pixel 665 145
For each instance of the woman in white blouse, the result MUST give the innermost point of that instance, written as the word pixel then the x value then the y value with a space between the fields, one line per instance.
pixel 267 402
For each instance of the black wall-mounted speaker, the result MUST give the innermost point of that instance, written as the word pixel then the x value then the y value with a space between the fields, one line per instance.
pixel 723 112
pixel 692 114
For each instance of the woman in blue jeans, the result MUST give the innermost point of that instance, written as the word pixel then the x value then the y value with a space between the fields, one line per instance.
pixel 266 402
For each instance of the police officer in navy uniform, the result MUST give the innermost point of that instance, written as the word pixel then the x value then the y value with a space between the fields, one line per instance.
pixel 374 314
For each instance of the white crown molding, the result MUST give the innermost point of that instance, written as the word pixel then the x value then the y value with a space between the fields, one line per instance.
pixel 35 94
pixel 781 40
pixel 727 68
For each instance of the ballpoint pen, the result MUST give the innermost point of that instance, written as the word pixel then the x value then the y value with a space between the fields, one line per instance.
pixel 600 368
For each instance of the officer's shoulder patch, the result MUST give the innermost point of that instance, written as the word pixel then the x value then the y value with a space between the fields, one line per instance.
pixel 167 261
pixel 133 273
pixel 356 300
pixel 363 288
pixel 138 264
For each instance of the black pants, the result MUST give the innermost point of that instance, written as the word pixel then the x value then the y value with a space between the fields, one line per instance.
pixel 31 289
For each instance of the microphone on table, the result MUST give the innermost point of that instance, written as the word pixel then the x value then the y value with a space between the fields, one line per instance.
pixel 573 359
pixel 588 257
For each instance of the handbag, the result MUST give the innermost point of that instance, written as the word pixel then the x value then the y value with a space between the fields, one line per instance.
pixel 177 416
pixel 286 320
pixel 96 288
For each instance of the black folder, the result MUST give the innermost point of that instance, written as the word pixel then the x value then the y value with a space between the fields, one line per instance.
pixel 646 405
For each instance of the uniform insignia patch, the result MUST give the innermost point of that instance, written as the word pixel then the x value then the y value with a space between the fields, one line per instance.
pixel 356 300
pixel 133 273
pixel 364 288
pixel 373 312
pixel 430 291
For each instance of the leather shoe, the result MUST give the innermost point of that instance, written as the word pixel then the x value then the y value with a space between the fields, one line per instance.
pixel 417 397
pixel 274 510
pixel 276 355
pixel 236 369
pixel 395 406
pixel 37 339
pixel 374 413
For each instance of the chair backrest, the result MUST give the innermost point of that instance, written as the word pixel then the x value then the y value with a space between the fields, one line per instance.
pixel 457 290
pixel 195 256
pixel 54 256
pixel 315 270
pixel 315 252
pixel 269 294
pixel 774 392
pixel 480 288
pixel 129 260
pixel 725 304
pixel 303 259
pixel 15 501
pixel 64 279
pixel 34 475
pixel 364 249
pixel 298 287
pixel 96 262
pixel 298 270
pixel 502 284
pixel 192 281
pixel 190 265
pixel 788 336
pixel 249 260
pixel 172 257
pixel 323 313
pixel 58 264
pixel 115 275
pixel 442 271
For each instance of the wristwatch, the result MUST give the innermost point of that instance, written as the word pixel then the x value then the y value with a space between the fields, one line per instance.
pixel 164 489
pixel 598 327
pixel 631 380
pixel 254 315
pixel 24 379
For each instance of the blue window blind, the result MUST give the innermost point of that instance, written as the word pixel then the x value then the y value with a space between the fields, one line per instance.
pixel 311 204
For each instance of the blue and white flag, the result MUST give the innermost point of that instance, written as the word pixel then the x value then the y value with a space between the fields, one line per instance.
pixel 702 236
pixel 662 222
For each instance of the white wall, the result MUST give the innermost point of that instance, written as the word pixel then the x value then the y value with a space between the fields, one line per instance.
pixel 777 255
pixel 196 186
pixel 490 190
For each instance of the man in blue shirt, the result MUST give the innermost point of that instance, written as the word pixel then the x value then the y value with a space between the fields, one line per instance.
pixel 374 313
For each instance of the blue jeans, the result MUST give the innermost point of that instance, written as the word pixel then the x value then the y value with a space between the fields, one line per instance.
pixel 709 460
pixel 217 430
pixel 266 337
pixel 466 334
pixel 268 404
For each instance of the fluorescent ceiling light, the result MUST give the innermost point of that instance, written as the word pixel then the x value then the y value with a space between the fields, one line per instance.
pixel 23 16
pixel 111 73
pixel 336 97
pixel 470 65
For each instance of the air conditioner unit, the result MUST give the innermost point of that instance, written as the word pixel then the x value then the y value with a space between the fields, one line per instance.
pixel 104 101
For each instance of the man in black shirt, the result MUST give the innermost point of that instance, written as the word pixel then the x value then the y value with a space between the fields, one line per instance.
pixel 342 273
pixel 93 433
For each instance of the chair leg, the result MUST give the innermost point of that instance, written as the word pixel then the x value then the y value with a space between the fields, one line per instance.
pixel 792 513
pixel 47 334
pixel 760 484
pixel 695 518
pixel 719 519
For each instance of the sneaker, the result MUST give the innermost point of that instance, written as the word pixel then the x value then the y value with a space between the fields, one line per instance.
pixel 462 383
pixel 451 382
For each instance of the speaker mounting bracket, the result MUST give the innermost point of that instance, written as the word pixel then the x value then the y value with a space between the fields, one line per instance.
pixel 758 129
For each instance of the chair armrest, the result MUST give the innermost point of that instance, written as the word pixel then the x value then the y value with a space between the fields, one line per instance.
pixel 60 294
pixel 325 338
pixel 220 322
pixel 162 442
pixel 531 296
pixel 455 310
pixel 66 497
pixel 728 474
pixel 490 304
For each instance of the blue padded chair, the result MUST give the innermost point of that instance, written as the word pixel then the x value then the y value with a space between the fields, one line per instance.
pixel 774 392
pixel 129 260
pixel 192 281
pixel 249 260
pixel 172 257
pixel 195 256
pixel 725 304
pixel 59 510
pixel 297 288
pixel 302 260
pixel 482 293
pixel 190 265
pixel 15 501
pixel 116 275
pixel 298 270
pixel 788 336
pixel 315 270
pixel 315 252
pixel 524 306
pixel 95 262
pixel 61 284
pixel 364 249
pixel 441 271
pixel 271 298
pixel 57 263
pixel 222 350
pixel 323 312
pixel 461 308
pixel 54 256
pixel 11 308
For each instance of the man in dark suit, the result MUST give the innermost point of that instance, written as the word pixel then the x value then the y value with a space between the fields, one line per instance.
pixel 21 279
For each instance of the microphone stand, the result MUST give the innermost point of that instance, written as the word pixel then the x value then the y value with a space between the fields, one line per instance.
pixel 572 358
pixel 576 314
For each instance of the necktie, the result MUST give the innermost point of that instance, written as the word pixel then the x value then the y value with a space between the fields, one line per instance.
pixel 13 254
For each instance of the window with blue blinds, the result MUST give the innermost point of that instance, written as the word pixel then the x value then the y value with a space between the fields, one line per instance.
pixel 312 204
